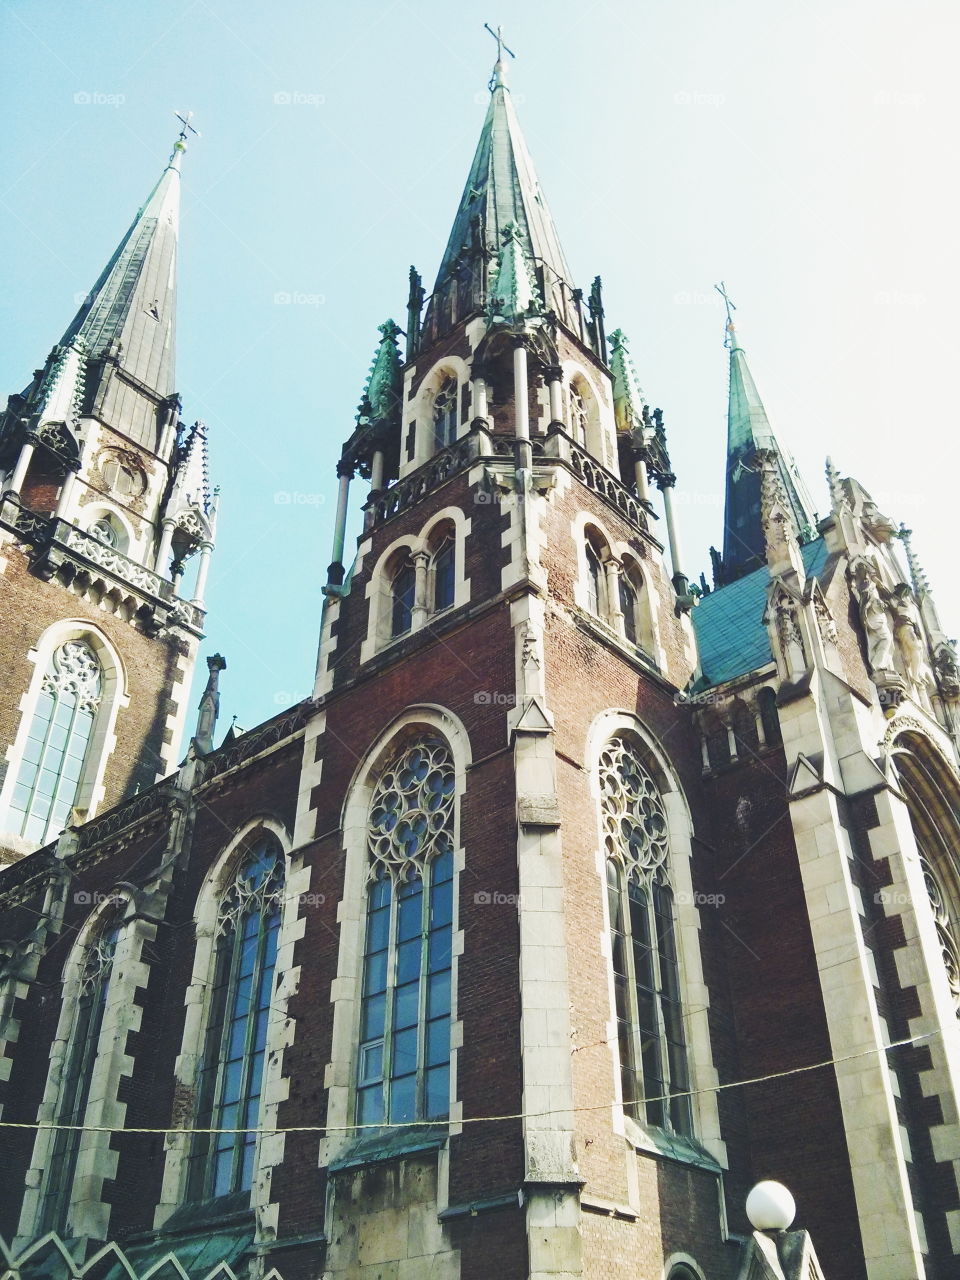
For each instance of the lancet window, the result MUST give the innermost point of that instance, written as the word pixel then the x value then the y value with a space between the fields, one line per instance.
pixel 58 742
pixel 646 974
pixel 403 1068
pixel 403 592
pixel 231 1070
pixel 80 1063
pixel 443 568
pixel 445 414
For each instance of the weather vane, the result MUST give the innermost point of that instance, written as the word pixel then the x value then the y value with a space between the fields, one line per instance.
pixel 498 36
pixel 721 288
pixel 187 126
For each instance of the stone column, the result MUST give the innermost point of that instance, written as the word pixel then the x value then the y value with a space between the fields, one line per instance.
pixel 421 605
pixel 480 398
pixel 555 389
pixel 612 569
pixel 15 483
pixel 163 555
pixel 679 577
pixel 376 472
pixel 206 550
pixel 521 408
pixel 640 478
pixel 335 570
pixel 66 492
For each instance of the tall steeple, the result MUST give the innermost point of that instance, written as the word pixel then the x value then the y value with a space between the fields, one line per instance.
pixel 749 433
pixel 502 194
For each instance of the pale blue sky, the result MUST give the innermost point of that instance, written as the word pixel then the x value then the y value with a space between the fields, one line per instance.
pixel 805 153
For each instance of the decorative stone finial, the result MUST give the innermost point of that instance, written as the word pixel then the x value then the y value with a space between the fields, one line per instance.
pixel 209 705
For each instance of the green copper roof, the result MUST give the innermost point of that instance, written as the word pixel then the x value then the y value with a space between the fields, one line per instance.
pixel 513 293
pixel 749 429
pixel 134 301
pixel 628 397
pixel 731 637
pixel 503 188
pixel 385 380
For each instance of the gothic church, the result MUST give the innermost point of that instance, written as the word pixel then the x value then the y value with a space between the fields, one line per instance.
pixel 574 900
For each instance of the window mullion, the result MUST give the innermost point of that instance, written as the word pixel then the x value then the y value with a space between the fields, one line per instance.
pixel 421 1091
pixel 636 1043
pixel 390 997
pixel 246 1063
pixel 663 1048
pixel 59 783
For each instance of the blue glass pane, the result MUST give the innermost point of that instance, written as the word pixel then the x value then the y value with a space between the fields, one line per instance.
pixel 440 950
pixel 438 1093
pixel 403 1099
pixel 237 1039
pixel 438 1042
pixel 371 1062
pixel 408 960
pixel 231 1081
pixel 438 994
pixel 222 1169
pixel 371 1022
pixel 370 1105
pixel 406 1009
pixel 404 1052
pixel 378 929
pixel 375 973
pixel 256 1074
pixel 441 904
pixel 410 911
pixel 246 1171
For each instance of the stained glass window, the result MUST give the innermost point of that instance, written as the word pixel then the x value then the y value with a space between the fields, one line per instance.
pixel 646 975
pixel 81 1057
pixel 58 743
pixel 403 1069
pixel 231 1072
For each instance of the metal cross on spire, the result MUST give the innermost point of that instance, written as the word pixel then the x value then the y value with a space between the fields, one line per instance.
pixel 731 306
pixel 498 36
pixel 187 127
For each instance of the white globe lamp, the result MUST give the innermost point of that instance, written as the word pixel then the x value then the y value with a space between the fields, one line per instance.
pixel 771 1207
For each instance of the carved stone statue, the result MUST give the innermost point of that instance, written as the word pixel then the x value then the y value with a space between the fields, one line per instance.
pixel 947 669
pixel 881 526
pixel 908 630
pixel 873 615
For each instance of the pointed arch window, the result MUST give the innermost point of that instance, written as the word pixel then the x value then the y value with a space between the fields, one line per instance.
pixel 445 414
pixel 231 1070
pixel 946 935
pixel 403 1068
pixel 403 591
pixel 629 604
pixel 81 1058
pixel 579 414
pixel 58 743
pixel 443 564
pixel 595 583
pixel 646 975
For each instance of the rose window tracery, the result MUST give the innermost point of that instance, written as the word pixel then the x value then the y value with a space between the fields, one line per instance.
pixel 76 671
pixel 634 819
pixel 945 931
pixel 411 815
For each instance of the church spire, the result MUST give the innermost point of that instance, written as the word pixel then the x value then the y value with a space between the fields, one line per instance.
pixel 503 191
pixel 128 317
pixel 749 433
